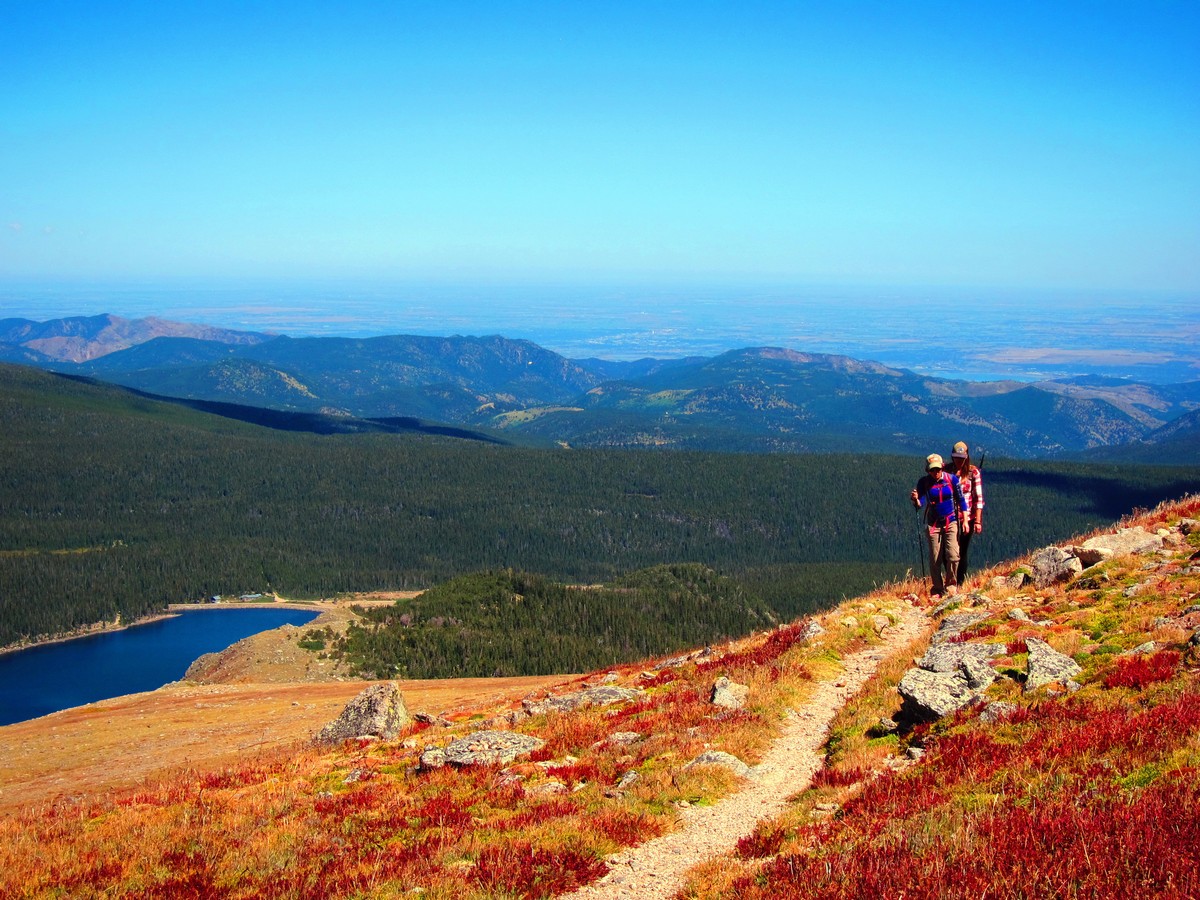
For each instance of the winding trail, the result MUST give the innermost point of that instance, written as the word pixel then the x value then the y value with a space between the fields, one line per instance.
pixel 656 869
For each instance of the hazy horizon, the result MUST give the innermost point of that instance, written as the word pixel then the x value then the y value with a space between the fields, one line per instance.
pixel 1023 335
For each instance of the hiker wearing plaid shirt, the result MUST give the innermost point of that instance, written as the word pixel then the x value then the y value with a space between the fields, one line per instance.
pixel 941 495
pixel 971 480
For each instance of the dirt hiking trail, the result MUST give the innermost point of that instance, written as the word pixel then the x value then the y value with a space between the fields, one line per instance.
pixel 656 870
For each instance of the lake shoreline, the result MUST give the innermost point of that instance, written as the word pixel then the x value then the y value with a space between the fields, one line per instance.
pixel 173 610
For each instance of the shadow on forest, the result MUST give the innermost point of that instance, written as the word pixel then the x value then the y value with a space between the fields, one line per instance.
pixel 1103 496
pixel 311 423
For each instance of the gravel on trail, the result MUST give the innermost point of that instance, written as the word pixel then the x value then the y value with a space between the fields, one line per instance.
pixel 657 869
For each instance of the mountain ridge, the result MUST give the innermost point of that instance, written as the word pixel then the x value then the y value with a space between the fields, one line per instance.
pixel 757 399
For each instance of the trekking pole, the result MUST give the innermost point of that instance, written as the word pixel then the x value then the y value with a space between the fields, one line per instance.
pixel 921 545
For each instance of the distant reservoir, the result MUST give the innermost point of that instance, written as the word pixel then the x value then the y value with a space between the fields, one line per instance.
pixel 50 677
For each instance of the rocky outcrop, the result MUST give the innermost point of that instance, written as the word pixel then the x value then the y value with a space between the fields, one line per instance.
pixel 377 712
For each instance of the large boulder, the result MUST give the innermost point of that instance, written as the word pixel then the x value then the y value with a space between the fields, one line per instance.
pixel 1047 665
pixel 729 694
pixel 949 657
pixel 1054 564
pixel 486 747
pixel 1125 541
pixel 378 712
pixel 935 694
pixel 603 695
pixel 954 625
pixel 949 676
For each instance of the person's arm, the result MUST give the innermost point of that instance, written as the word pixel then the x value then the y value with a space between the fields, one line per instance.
pixel 977 502
pixel 918 495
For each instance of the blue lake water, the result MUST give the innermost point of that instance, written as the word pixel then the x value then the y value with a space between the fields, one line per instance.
pixel 50 677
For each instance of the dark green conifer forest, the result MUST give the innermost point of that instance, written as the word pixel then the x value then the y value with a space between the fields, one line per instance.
pixel 113 506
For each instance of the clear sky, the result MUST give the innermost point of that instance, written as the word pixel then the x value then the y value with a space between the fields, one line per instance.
pixel 1047 144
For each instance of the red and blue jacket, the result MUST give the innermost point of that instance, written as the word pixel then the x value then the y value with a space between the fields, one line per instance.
pixel 942 498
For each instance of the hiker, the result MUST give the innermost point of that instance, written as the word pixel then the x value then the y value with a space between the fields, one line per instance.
pixel 941 495
pixel 971 481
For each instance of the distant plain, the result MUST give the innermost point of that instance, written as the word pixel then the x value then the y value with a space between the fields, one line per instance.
pixel 948 332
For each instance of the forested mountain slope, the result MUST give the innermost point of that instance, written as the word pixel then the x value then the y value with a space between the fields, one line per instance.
pixel 114 504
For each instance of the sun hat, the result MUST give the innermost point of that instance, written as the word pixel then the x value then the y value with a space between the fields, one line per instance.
pixel 933 461
pixel 960 450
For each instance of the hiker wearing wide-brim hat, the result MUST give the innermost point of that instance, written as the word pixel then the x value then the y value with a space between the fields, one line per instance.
pixel 940 493
pixel 970 478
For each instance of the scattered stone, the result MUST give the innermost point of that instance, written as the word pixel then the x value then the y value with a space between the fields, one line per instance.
pixel 1141 649
pixel 430 719
pixel 812 628
pixel 943 606
pixel 1092 582
pixel 729 694
pixel 676 661
pixel 1013 582
pixel 1054 564
pixel 887 726
pixel 915 753
pixel 997 711
pixel 721 758
pixel 486 747
pixel 594 696
pixel 1142 587
pixel 1047 665
pixel 378 712
pixel 624 738
pixel 548 788
pixel 879 623
pixel 1019 615
pixel 627 780
pixel 849 622
pixel 567 760
pixel 1189 526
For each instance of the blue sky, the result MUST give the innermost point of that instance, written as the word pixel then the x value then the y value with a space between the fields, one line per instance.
pixel 1039 144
